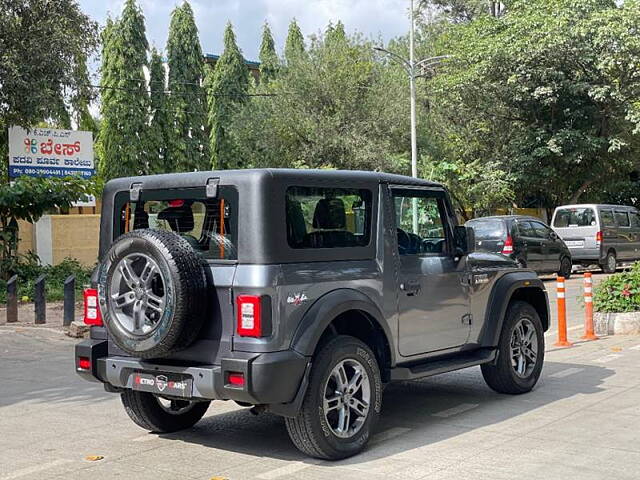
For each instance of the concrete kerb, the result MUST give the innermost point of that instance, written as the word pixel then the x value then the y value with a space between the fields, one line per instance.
pixel 627 323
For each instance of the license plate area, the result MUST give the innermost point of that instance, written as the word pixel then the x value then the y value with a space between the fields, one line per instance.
pixel 170 384
pixel 575 243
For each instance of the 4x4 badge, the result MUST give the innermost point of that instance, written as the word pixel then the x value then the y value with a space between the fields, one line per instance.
pixel 296 298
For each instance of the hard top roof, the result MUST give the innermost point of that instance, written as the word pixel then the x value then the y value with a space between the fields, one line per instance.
pixel 258 174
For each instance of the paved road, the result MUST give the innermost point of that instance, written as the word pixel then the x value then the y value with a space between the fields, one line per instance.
pixel 582 421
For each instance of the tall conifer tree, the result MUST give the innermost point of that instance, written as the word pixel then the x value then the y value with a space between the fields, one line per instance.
pixel 125 100
pixel 227 89
pixel 294 45
pixel 188 144
pixel 159 129
pixel 269 62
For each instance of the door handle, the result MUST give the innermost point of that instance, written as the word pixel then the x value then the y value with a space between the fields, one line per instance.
pixel 410 287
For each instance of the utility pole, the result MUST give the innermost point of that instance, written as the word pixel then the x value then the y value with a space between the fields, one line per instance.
pixel 413 70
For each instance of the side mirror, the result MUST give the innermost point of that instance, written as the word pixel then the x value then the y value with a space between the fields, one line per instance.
pixel 464 239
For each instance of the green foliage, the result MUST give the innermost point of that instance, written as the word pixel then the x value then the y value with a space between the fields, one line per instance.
pixel 28 198
pixel 227 87
pixel 159 127
pixel 123 146
pixel 542 92
pixel 269 61
pixel 44 45
pixel 337 107
pixel 29 269
pixel 188 147
pixel 294 48
pixel 619 292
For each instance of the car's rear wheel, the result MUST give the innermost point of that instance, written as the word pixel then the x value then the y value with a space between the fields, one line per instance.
pixel 162 415
pixel 342 403
pixel 610 263
pixel 520 351
pixel 565 267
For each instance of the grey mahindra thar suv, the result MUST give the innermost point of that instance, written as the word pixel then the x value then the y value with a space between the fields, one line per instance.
pixel 297 292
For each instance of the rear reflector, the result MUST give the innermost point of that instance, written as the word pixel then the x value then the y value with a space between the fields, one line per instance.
pixel 249 316
pixel 236 379
pixel 84 363
pixel 92 315
pixel 508 246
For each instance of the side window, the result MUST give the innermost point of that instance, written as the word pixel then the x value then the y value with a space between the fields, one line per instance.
pixel 526 229
pixel 622 219
pixel 634 219
pixel 420 223
pixel 607 218
pixel 541 230
pixel 320 217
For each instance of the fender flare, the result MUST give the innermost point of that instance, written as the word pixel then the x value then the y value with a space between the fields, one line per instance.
pixel 510 284
pixel 326 308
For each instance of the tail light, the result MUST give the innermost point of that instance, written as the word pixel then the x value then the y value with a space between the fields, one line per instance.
pixel 508 246
pixel 235 379
pixel 598 239
pixel 92 315
pixel 84 363
pixel 249 315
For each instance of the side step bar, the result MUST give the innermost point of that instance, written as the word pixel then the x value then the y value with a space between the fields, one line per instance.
pixel 436 367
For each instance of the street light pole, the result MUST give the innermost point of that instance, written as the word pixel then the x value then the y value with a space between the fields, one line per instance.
pixel 412 88
pixel 411 67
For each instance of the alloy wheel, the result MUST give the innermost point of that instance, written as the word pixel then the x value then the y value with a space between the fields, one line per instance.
pixel 138 294
pixel 524 348
pixel 347 398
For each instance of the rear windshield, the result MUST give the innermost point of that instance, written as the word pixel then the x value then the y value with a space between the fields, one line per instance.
pixel 486 229
pixel 574 217
pixel 208 224
pixel 328 217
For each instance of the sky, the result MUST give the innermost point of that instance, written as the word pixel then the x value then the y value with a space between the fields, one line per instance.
pixel 373 18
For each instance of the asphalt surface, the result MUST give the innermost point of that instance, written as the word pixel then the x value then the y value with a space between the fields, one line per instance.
pixel 581 421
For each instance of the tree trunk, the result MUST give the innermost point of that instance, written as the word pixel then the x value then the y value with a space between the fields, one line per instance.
pixel 578 193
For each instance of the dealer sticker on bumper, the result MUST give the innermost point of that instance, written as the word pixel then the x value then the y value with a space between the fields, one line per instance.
pixel 174 385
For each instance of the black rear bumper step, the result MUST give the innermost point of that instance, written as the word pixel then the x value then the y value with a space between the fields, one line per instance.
pixel 436 367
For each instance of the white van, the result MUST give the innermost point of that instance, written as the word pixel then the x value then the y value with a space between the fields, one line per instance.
pixel 599 234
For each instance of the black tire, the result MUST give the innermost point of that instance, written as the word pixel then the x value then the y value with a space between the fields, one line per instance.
pixel 501 375
pixel 610 263
pixel 566 268
pixel 180 282
pixel 311 431
pixel 147 412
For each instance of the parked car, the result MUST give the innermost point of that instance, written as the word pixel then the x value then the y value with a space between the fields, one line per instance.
pixel 599 234
pixel 527 240
pixel 297 292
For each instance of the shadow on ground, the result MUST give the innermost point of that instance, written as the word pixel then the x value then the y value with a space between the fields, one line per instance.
pixel 407 406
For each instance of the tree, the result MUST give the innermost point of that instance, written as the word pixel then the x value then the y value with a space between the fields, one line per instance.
pixel 159 127
pixel 269 61
pixel 123 144
pixel 188 147
pixel 546 92
pixel 468 10
pixel 29 198
pixel 294 46
pixel 42 45
pixel 336 107
pixel 227 89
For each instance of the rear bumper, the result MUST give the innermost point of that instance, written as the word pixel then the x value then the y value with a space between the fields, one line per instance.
pixel 270 378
